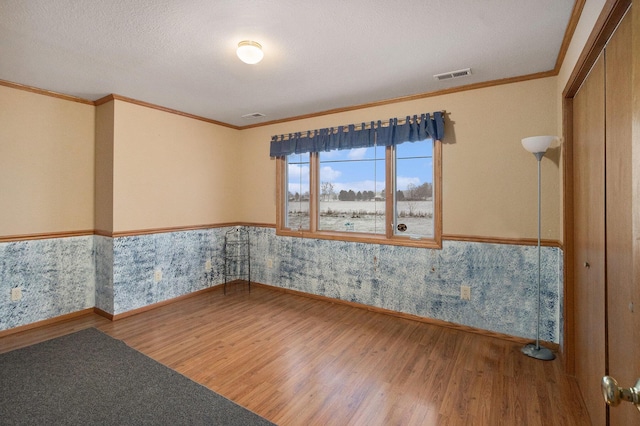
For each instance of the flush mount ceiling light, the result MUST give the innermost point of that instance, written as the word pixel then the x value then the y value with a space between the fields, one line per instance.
pixel 249 52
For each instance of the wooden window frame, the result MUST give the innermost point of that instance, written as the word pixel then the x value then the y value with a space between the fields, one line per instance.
pixel 389 236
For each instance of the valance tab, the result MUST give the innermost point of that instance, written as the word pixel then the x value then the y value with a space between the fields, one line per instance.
pixel 393 132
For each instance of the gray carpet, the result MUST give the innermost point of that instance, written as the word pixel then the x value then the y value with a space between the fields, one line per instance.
pixel 90 378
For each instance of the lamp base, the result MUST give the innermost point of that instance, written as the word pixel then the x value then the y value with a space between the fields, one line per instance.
pixel 538 352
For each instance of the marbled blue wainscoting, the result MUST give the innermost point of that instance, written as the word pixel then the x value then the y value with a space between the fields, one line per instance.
pixel 57 277
pixel 423 282
pixel 180 257
pixel 65 275
pixel 104 273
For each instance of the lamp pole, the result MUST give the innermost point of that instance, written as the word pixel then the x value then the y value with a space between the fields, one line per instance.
pixel 537 351
pixel 539 156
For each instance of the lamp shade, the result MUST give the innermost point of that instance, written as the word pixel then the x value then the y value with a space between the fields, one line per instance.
pixel 535 144
pixel 249 52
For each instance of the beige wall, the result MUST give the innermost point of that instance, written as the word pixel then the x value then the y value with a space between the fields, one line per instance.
pixel 489 180
pixel 104 168
pixel 46 164
pixel 172 171
pixel 154 169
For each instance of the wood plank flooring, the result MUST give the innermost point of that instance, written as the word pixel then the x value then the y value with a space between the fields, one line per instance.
pixel 301 361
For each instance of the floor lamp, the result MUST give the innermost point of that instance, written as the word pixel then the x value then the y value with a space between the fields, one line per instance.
pixel 537 145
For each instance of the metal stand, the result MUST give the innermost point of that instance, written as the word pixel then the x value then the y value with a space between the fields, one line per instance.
pixel 237 259
pixel 534 350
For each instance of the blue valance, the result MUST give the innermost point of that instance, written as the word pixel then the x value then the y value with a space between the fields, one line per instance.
pixel 413 129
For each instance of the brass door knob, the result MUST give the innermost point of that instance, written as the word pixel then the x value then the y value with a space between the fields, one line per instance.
pixel 613 393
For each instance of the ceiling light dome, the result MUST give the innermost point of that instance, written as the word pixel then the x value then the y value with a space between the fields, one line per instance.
pixel 250 52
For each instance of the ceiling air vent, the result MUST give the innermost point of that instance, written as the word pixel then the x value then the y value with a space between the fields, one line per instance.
pixel 253 115
pixel 452 74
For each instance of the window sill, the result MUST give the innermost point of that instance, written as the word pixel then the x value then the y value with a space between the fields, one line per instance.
pixel 431 243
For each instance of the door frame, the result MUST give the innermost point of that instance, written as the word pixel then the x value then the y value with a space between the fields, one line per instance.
pixel 612 13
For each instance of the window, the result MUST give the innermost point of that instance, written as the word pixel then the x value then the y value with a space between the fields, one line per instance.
pixel 413 209
pixel 299 191
pixel 352 185
pixel 381 194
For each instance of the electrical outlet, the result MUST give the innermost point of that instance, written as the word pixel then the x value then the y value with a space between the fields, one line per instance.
pixel 269 263
pixel 207 265
pixel 16 294
pixel 157 275
pixel 465 292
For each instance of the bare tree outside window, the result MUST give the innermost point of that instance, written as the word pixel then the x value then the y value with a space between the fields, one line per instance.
pixel 327 191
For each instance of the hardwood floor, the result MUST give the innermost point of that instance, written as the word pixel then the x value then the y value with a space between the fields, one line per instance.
pixel 300 361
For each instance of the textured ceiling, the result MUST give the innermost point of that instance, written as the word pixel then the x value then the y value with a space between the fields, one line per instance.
pixel 319 55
